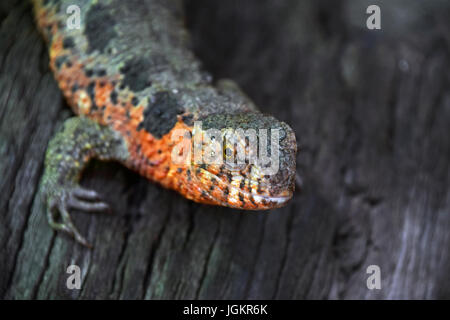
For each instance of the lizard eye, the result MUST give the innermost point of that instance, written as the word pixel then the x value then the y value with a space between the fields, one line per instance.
pixel 230 161
pixel 235 166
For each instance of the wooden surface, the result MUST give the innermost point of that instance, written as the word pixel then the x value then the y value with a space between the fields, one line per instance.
pixel 371 111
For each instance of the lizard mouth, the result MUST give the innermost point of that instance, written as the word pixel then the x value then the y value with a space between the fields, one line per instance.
pixel 271 202
pixel 227 194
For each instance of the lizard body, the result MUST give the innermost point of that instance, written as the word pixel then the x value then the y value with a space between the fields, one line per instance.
pixel 132 80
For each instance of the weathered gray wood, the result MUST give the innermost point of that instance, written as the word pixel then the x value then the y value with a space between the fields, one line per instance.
pixel 371 110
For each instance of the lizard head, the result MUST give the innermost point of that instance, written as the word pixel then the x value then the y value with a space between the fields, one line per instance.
pixel 244 161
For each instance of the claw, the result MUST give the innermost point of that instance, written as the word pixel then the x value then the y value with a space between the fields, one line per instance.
pixel 298 183
pixel 76 198
pixel 81 205
pixel 86 194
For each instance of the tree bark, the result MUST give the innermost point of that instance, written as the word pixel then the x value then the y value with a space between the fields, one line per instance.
pixel 371 112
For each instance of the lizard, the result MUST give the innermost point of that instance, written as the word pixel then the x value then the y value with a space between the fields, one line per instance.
pixel 129 74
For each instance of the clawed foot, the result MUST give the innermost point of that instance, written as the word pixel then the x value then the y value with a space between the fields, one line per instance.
pixel 77 198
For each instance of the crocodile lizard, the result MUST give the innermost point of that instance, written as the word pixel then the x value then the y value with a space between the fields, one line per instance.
pixel 129 75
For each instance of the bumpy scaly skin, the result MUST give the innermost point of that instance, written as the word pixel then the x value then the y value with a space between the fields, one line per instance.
pixel 68 152
pixel 129 75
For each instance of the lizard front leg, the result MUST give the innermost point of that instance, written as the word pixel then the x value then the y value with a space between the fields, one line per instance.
pixel 68 152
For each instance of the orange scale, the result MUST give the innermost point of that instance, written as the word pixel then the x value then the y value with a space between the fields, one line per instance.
pixel 101 94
